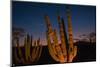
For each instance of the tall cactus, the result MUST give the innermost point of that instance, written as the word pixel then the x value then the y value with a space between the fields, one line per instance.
pixel 66 51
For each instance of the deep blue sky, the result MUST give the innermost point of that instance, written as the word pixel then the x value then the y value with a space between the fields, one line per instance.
pixel 30 16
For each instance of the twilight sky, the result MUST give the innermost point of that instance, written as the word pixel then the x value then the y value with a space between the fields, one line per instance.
pixel 30 17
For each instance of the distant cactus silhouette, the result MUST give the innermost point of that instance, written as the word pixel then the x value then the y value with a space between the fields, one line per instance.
pixel 30 56
pixel 16 34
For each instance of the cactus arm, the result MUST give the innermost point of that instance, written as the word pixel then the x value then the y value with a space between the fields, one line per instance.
pixel 39 53
pixel 52 53
pixel 33 53
pixel 72 54
pixel 25 44
pixel 19 52
pixel 51 50
pixel 58 49
pixel 75 51
pixel 16 57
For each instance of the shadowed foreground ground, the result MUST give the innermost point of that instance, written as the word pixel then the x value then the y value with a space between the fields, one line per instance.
pixel 86 52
